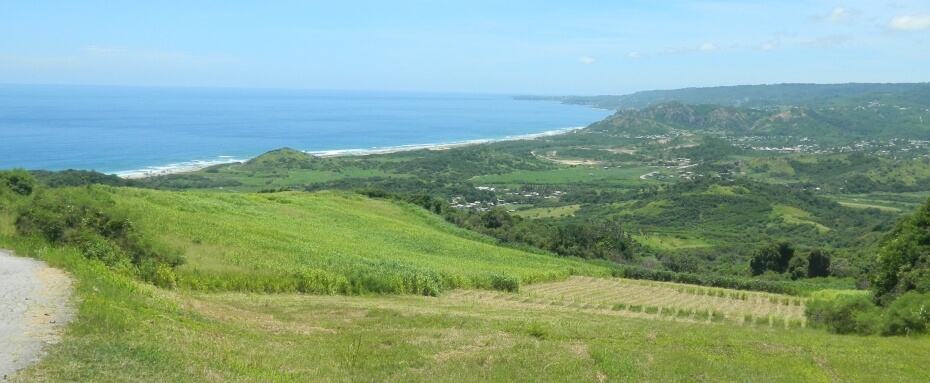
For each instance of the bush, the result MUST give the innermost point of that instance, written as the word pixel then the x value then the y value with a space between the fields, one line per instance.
pixel 88 219
pixel 17 181
pixel 845 314
pixel 505 283
pixel 909 314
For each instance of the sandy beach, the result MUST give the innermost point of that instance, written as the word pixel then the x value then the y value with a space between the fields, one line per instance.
pixel 192 166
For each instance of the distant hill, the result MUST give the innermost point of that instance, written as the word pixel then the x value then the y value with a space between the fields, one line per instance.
pixel 741 95
pixel 836 121
pixel 284 158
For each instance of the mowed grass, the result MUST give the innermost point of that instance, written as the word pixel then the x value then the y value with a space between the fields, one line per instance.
pixel 333 242
pixel 126 332
pixel 673 301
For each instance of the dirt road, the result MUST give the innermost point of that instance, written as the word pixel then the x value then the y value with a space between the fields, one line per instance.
pixel 35 304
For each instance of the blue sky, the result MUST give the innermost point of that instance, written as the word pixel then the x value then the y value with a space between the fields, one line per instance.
pixel 534 47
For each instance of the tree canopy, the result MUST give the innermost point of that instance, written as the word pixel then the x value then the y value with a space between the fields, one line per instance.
pixel 903 262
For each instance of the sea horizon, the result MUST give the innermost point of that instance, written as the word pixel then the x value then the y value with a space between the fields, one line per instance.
pixel 132 130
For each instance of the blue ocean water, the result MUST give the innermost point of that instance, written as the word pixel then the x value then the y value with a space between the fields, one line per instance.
pixel 136 129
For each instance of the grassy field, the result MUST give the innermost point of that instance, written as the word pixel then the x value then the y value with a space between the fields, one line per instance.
pixel 548 212
pixel 329 243
pixel 568 175
pixel 670 242
pixel 578 330
pixel 898 202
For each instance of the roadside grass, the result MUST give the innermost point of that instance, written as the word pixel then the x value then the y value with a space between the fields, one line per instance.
pixel 126 331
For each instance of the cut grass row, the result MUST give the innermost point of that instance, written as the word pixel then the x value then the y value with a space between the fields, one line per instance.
pixel 675 300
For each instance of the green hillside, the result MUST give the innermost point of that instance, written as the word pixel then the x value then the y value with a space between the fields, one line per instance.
pixel 329 242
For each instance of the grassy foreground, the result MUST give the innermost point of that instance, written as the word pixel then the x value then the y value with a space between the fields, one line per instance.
pixel 126 331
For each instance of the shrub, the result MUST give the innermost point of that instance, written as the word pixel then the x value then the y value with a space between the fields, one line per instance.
pixel 845 314
pixel 504 282
pixel 88 219
pixel 17 181
pixel 909 314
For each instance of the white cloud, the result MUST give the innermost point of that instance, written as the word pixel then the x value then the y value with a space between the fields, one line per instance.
pixel 634 55
pixel 910 22
pixel 707 47
pixel 586 60
pixel 838 15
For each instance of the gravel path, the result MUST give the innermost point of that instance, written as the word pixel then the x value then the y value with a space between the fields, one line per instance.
pixel 35 304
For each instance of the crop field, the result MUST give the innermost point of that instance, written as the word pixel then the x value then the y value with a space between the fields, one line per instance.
pixel 330 243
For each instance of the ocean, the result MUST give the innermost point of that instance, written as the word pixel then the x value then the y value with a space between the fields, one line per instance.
pixel 134 130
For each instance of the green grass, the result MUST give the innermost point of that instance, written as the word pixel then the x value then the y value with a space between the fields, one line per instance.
pixel 130 332
pixel 255 180
pixel 329 243
pixel 670 242
pixel 864 202
pixel 549 212
pixel 797 216
pixel 617 176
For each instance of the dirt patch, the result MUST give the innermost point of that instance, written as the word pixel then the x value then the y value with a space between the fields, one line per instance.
pixel 35 306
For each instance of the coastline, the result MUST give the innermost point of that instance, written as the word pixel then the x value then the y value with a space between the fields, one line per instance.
pixel 195 165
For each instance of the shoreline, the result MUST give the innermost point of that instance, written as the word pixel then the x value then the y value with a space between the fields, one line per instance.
pixel 195 165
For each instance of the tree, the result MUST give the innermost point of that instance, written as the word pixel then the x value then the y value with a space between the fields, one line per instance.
pixel 797 268
pixel 903 262
pixel 774 257
pixel 818 263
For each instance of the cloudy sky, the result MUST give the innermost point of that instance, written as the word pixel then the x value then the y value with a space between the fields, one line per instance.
pixel 497 46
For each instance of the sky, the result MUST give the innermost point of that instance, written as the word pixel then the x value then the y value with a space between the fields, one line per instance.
pixel 575 47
